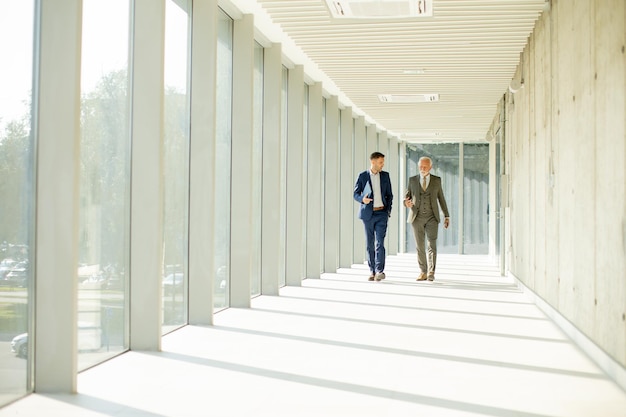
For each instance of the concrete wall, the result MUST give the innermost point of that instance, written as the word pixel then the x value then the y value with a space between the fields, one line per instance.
pixel 566 159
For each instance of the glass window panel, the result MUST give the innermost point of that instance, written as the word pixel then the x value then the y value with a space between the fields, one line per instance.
pixel 341 160
pixel 257 170
pixel 356 228
pixel 16 188
pixel 104 182
pixel 476 198
pixel 305 177
pixel 445 159
pixel 499 210
pixel 323 187
pixel 222 161
pixel 283 183
pixel 176 164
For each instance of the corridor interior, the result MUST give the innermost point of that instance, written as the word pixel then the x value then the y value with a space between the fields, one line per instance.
pixel 470 343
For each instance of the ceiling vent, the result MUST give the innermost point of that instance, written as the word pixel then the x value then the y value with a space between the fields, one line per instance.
pixel 380 9
pixel 408 98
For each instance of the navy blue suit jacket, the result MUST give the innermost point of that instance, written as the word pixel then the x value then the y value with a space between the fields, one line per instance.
pixel 366 210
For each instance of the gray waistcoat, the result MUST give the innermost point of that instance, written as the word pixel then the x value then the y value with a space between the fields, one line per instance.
pixel 426 209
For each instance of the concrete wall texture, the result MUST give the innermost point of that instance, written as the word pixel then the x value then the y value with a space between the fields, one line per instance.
pixel 566 161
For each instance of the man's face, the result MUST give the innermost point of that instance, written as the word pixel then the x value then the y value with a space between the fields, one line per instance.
pixel 424 167
pixel 378 164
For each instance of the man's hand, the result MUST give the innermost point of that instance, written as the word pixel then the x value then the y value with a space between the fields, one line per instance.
pixel 446 222
pixel 408 202
pixel 367 200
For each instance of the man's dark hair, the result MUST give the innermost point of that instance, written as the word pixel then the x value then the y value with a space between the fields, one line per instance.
pixel 376 155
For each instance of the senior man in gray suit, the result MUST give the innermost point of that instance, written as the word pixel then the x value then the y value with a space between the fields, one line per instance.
pixel 423 196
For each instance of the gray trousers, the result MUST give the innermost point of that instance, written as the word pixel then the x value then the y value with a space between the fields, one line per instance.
pixel 425 229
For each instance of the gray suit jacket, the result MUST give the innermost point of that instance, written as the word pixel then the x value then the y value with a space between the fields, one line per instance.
pixel 436 196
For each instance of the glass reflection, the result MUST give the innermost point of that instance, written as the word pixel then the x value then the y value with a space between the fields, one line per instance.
pixel 475 210
pixel 104 182
pixel 284 111
pixel 476 199
pixel 257 170
pixel 224 90
pixel 176 165
pixel 16 189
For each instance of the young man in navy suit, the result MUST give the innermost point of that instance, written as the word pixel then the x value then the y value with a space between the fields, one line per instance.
pixel 373 191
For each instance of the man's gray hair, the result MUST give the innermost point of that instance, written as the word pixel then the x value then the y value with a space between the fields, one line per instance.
pixel 425 158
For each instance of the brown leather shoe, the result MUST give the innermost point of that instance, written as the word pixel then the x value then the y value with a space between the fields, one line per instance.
pixel 431 276
pixel 380 276
pixel 371 278
pixel 422 277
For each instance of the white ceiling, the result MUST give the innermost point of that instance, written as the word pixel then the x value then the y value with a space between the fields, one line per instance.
pixel 468 50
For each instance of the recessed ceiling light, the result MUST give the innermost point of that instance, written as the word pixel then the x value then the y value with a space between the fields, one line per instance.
pixel 414 71
pixel 408 98
pixel 380 9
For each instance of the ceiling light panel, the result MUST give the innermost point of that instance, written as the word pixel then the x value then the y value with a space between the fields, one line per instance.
pixel 379 9
pixel 408 98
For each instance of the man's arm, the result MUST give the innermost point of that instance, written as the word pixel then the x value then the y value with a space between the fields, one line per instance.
pixel 358 189
pixel 442 202
pixel 408 194
pixel 359 186
pixel 444 206
pixel 390 196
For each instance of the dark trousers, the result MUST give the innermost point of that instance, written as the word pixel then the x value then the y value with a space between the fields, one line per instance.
pixel 375 231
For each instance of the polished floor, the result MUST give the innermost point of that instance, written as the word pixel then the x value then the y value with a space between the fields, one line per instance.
pixel 470 343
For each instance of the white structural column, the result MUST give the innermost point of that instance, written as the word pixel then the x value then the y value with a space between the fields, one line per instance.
pixel 331 187
pixel 57 124
pixel 272 175
pixel 314 208
pixel 361 163
pixel 146 262
pixel 202 160
pixel 241 163
pixel 398 208
pixel 294 177
pixel 346 184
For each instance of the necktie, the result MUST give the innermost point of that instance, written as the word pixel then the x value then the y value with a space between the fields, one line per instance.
pixel 424 184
